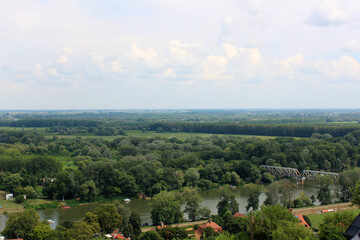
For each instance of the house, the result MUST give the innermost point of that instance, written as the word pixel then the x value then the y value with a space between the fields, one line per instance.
pixel 9 196
pixel 210 223
pixel 354 229
pixel 239 215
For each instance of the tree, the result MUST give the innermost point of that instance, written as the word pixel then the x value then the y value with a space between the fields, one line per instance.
pixel 135 222
pixel 170 233
pixel 286 192
pixel 40 232
pixel 227 202
pixel 166 208
pixel 92 221
pixel 21 224
pixel 323 184
pixel 150 235
pixel 108 217
pixel 80 231
pixel 265 221
pixel 88 191
pixel 333 226
pixel 208 233
pixel 272 194
pixel 205 212
pixel 253 191
pixel 288 230
pixel 192 177
pixel 192 203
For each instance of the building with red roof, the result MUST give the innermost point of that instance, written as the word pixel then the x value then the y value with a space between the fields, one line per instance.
pixel 237 215
pixel 210 223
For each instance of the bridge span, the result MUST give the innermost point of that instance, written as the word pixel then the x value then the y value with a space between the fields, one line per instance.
pixel 293 172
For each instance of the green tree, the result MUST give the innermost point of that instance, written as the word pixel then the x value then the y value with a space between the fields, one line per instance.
pixel 192 177
pixel 272 194
pixel 170 233
pixel 253 191
pixel 286 192
pixel 166 208
pixel 80 231
pixel 40 232
pixel 108 217
pixel 287 230
pixel 135 222
pixel 21 224
pixel 150 235
pixel 323 185
pixel 92 221
pixel 227 202
pixel 192 203
pixel 88 191
pixel 333 226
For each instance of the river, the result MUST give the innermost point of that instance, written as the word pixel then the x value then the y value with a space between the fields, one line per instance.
pixel 142 206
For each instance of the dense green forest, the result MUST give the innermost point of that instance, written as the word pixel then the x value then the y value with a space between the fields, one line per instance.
pixel 68 155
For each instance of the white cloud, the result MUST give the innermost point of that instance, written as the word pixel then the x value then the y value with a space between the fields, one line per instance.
pixel 346 68
pixel 328 13
pixel 214 68
pixel 352 46
pixel 149 56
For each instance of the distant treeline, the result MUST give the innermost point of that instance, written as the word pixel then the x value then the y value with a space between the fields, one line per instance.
pixel 291 130
pixel 51 123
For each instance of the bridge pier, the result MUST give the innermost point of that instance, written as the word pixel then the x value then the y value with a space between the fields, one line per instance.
pixel 300 180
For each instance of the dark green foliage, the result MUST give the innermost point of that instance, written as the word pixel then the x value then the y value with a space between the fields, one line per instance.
pixel 170 233
pixel 108 217
pixel 21 224
pixel 227 202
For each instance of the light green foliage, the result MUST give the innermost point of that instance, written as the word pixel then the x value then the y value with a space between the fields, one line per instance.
pixel 108 217
pixel 333 226
pixel 92 221
pixel 253 191
pixel 40 232
pixel 287 230
pixel 80 231
pixel 166 208
pixel 192 200
pixel 192 177
pixel 267 220
pixel 21 224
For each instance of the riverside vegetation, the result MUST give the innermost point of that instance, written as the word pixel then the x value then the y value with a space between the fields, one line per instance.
pixel 66 156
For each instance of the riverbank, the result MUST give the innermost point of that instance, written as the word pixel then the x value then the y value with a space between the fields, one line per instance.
pixel 318 209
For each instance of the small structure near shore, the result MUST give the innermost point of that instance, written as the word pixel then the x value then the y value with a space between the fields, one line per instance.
pixel 210 223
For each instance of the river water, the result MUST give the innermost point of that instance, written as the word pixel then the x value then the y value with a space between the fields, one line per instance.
pixel 143 207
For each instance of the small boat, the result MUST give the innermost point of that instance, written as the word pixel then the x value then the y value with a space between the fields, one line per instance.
pixel 50 221
pixel 147 198
pixel 126 200
pixel 65 207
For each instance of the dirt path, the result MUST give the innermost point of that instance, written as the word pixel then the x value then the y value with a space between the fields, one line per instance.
pixel 318 209
pixel 176 225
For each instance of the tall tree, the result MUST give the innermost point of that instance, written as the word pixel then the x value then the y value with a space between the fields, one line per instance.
pixel 323 185
pixel 166 208
pixel 108 217
pixel 192 200
pixel 227 202
pixel 21 224
pixel 253 191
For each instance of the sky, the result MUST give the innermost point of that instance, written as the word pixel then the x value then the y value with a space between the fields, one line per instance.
pixel 179 54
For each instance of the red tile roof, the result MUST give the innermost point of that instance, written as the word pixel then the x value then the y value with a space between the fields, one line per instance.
pixel 236 215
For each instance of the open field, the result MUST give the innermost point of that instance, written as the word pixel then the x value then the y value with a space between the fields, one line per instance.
pixel 316 219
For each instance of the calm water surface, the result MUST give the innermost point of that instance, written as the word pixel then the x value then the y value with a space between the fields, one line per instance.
pixel 210 199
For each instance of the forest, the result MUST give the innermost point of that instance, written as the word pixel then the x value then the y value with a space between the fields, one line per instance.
pixel 70 155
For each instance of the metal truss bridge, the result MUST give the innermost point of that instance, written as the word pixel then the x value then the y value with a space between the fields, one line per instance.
pixel 293 172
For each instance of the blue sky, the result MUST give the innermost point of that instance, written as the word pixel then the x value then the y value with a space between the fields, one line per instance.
pixel 114 54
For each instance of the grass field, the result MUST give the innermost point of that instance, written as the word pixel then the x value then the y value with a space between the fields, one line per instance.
pixel 316 219
pixel 135 133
